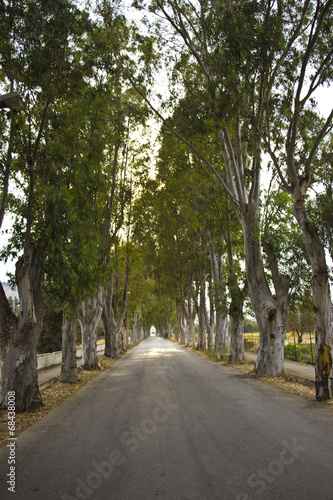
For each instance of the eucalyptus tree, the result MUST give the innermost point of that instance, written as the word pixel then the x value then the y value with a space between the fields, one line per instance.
pixel 173 265
pixel 115 299
pixel 203 209
pixel 296 137
pixel 247 53
pixel 322 206
pixel 86 164
pixel 114 133
pixel 155 232
pixel 80 167
pixel 181 201
pixel 282 244
pixel 116 47
pixel 106 128
pixel 166 245
pixel 142 298
pixel 222 231
pixel 237 285
pixel 120 222
pixel 41 60
pixel 214 43
pixel 67 202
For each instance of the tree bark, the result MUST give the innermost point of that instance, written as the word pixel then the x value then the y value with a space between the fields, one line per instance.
pixel 181 323
pixel 134 328
pixel 137 332
pixel 321 299
pixel 19 337
pixel 69 334
pixel 126 340
pixel 221 332
pixel 270 311
pixel 112 321
pixel 169 330
pixel 202 338
pixel 190 336
pixel 89 318
pixel 211 320
pixel 236 308
pixel 110 337
pixel 190 314
pixel 236 334
pixel 109 323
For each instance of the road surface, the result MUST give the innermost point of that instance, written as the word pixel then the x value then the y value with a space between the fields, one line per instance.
pixel 166 423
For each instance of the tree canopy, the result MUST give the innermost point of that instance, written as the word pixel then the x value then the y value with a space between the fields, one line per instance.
pixel 228 209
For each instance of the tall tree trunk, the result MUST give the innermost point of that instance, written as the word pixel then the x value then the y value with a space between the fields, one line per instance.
pixel 169 329
pixel 181 320
pixel 69 334
pixel 110 350
pixel 89 318
pixel 236 332
pixel 321 299
pixel 137 325
pixel 19 337
pixel 190 314
pixel 202 338
pixel 113 321
pixel 177 334
pixel 109 323
pixel 120 340
pixel 134 329
pixel 211 320
pixel 182 329
pixel 271 312
pixel 110 337
pixel 235 309
pixel 221 333
pixel 126 340
pixel 190 340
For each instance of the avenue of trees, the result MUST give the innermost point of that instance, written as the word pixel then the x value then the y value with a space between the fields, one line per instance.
pixel 186 239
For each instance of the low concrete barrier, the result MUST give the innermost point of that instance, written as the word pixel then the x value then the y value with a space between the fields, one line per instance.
pixel 47 360
pixel 54 358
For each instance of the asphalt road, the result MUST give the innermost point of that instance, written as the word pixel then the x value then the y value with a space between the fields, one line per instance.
pixel 164 422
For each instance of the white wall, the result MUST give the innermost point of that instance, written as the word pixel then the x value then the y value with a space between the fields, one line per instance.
pixel 54 358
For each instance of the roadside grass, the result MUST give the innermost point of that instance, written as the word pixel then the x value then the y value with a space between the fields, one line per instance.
pixel 53 396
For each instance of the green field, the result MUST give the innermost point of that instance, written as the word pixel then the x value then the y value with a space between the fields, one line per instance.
pixel 304 352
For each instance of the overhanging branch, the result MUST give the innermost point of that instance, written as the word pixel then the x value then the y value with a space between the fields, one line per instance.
pixel 185 141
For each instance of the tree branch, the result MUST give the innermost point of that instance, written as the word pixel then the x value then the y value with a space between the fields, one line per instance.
pixel 326 128
pixel 185 141
pixel 108 220
pixel 8 166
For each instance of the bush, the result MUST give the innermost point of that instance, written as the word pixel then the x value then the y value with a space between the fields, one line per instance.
pixel 299 352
